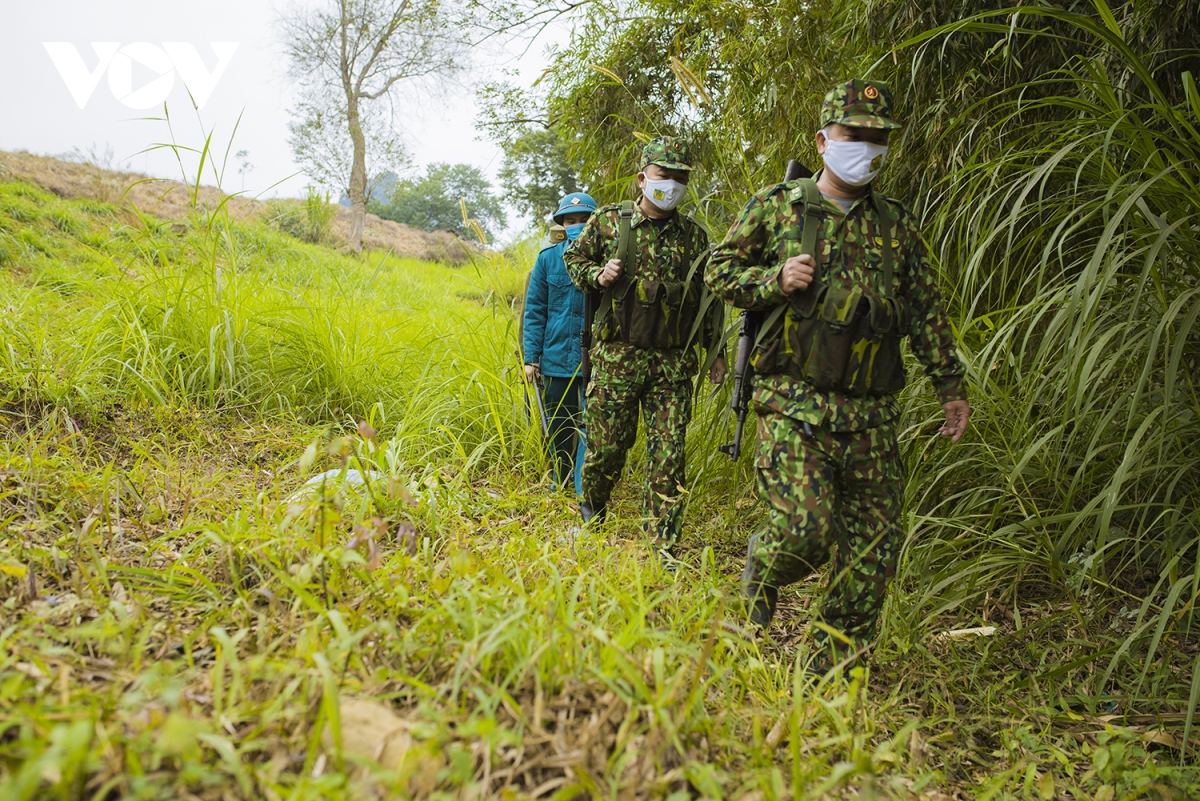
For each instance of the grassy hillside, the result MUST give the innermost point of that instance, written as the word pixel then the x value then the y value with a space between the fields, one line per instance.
pixel 183 620
pixel 312 219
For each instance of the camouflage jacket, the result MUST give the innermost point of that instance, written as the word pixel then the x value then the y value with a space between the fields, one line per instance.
pixel 744 271
pixel 662 254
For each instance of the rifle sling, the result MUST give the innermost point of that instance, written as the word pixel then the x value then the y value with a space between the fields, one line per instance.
pixel 624 252
pixel 808 244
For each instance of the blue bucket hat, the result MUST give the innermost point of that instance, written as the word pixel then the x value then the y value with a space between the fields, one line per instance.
pixel 575 202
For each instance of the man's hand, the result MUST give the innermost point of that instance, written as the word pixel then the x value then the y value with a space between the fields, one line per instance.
pixel 957 414
pixel 716 373
pixel 530 372
pixel 797 273
pixel 610 273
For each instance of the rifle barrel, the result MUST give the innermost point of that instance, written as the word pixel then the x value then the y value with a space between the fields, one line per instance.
pixel 585 338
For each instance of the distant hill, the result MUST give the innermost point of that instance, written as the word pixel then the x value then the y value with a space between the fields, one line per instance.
pixel 171 200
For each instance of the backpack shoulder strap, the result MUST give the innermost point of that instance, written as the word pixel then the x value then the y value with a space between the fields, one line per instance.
pixel 625 252
pixel 625 237
pixel 882 208
pixel 812 217
pixel 812 223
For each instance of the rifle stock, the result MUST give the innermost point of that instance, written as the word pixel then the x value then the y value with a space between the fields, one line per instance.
pixel 585 338
pixel 747 336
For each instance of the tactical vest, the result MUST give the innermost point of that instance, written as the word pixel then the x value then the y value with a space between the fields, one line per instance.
pixel 837 339
pixel 646 313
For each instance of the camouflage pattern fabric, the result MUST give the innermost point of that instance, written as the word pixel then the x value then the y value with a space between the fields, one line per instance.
pixel 662 255
pixel 744 271
pixel 618 388
pixel 860 104
pixel 624 377
pixel 836 497
pixel 672 152
pixel 833 498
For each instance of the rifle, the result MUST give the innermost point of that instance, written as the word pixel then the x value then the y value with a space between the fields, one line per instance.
pixel 747 336
pixel 585 338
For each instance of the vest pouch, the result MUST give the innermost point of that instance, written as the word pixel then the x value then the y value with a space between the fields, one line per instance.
pixel 863 359
pixel 670 314
pixel 766 358
pixel 799 331
pixel 804 304
pixel 612 320
pixel 834 334
pixel 641 306
pixel 887 374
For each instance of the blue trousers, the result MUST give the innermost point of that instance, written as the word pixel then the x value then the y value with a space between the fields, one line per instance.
pixel 564 401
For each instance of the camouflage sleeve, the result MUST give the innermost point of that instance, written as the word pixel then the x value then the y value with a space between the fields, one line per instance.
pixel 741 271
pixel 930 334
pixel 585 257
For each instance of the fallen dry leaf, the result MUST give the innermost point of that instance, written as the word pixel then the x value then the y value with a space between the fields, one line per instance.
pixel 371 730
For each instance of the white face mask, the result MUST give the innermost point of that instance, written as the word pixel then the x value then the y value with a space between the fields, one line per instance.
pixel 856 163
pixel 665 193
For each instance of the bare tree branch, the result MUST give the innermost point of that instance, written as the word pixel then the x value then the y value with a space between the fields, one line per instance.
pixel 348 54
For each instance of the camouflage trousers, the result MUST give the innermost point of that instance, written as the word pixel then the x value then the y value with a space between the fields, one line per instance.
pixel 833 498
pixel 611 419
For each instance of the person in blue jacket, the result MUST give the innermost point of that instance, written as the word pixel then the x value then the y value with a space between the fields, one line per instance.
pixel 553 340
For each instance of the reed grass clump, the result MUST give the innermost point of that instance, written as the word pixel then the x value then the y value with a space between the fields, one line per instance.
pixel 309 220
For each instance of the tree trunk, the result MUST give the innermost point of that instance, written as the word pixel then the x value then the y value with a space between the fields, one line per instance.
pixel 358 179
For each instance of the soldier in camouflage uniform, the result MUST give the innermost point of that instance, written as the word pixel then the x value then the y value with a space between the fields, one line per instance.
pixel 828 465
pixel 650 314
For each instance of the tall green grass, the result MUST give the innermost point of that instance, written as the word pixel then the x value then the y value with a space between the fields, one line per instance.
pixel 518 655
pixel 212 312
pixel 1071 242
pixel 160 381
pixel 1052 154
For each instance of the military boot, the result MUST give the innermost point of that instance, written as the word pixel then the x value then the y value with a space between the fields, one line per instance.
pixel 762 605
pixel 589 513
pixel 661 545
pixel 763 598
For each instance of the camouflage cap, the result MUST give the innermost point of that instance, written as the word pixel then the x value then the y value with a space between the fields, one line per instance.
pixel 672 152
pixel 859 104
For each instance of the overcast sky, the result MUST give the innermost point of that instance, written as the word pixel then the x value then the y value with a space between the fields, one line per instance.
pixel 38 112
